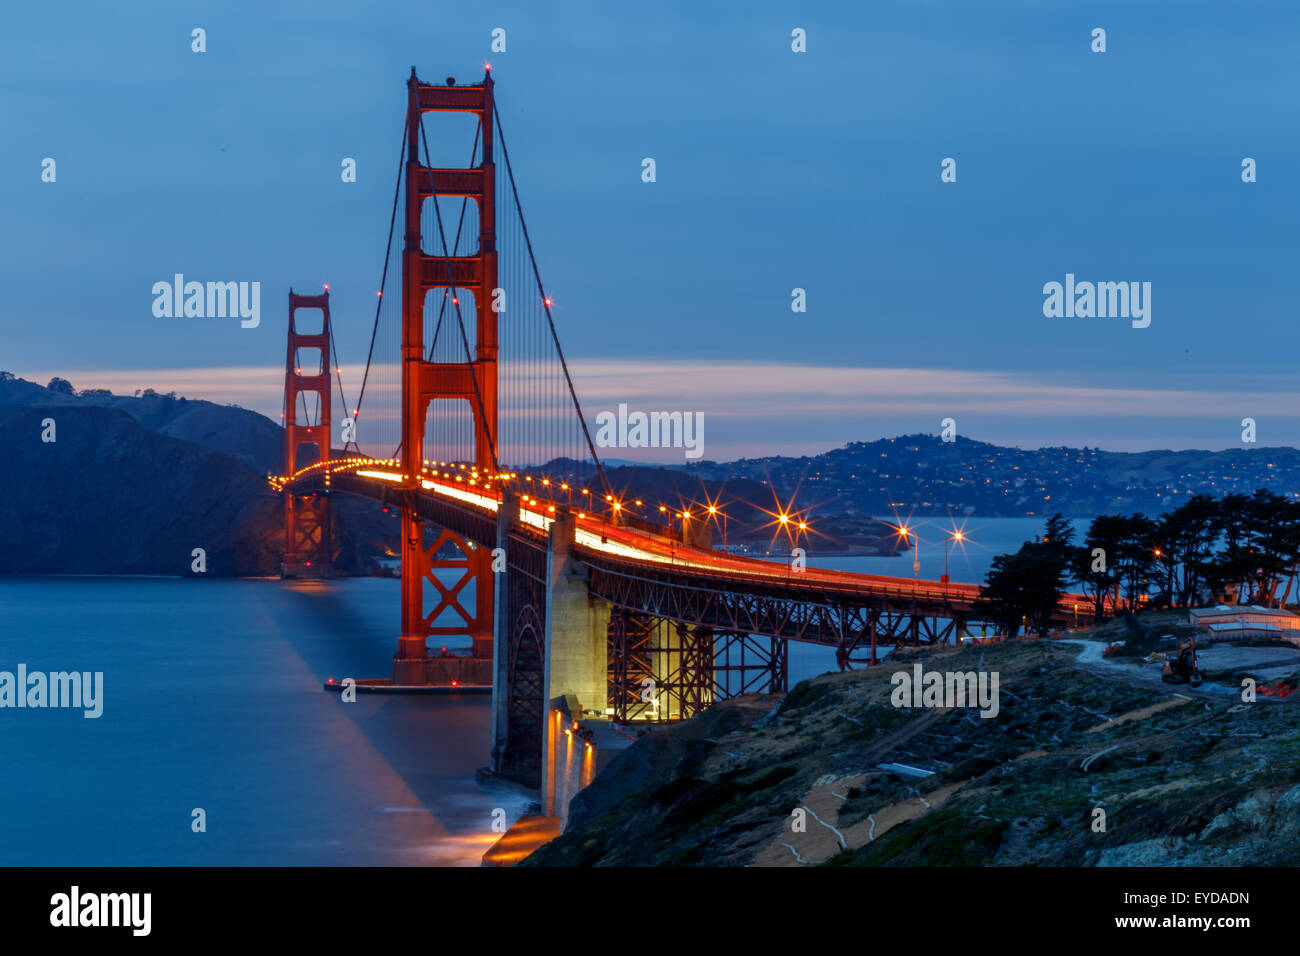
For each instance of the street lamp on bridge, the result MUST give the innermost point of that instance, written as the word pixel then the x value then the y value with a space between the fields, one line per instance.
pixel 958 536
pixel 904 532
pixel 713 513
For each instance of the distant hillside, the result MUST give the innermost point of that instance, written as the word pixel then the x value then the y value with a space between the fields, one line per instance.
pixel 111 496
pixel 133 485
pixel 923 475
pixel 252 438
pixel 749 506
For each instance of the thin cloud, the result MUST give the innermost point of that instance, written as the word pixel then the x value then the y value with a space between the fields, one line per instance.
pixel 766 408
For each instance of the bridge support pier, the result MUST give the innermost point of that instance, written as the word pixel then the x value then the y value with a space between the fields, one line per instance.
pixel 550 644
pixel 576 626
pixel 576 671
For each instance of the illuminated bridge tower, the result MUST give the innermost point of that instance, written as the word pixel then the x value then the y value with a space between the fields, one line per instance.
pixel 473 381
pixel 308 545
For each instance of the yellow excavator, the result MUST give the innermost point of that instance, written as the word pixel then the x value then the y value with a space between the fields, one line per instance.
pixel 1182 669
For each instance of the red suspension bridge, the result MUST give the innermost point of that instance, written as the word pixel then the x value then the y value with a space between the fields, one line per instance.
pixel 580 612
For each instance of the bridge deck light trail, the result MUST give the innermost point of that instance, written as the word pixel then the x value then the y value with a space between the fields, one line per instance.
pixel 622 542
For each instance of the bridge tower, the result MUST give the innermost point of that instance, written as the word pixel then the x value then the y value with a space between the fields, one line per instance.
pixel 473 381
pixel 308 544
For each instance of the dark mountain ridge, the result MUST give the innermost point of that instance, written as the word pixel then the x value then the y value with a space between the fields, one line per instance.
pixel 133 484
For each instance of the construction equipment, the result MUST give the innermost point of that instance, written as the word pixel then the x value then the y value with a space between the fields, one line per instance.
pixel 1182 669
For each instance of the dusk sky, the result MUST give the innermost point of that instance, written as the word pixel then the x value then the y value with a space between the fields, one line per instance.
pixel 775 170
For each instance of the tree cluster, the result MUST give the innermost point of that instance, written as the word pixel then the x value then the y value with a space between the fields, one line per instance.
pixel 1188 556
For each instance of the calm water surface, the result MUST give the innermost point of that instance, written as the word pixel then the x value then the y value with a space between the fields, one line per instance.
pixel 213 700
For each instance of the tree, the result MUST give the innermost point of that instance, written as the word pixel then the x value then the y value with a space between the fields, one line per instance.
pixel 1233 564
pixel 61 385
pixel 1026 587
pixel 1058 535
pixel 1186 536
pixel 1271 546
pixel 1136 557
pixel 1097 565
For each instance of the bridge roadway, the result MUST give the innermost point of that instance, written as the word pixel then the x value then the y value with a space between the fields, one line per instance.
pixel 631 567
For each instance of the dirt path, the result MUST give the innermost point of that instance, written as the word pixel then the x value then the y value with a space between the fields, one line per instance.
pixel 1090 659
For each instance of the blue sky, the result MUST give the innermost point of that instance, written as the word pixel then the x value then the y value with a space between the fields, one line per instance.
pixel 775 170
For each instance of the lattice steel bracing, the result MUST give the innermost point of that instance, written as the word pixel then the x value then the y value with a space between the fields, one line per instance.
pixel 631 674
pixel 526 660
pixel 662 670
pixel 308 543
pixel 747 664
pixel 473 381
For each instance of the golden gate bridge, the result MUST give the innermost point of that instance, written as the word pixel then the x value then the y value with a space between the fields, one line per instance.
pixel 582 612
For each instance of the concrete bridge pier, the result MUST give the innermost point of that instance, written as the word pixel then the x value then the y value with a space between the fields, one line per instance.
pixel 577 664
pixel 575 736
pixel 575 656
